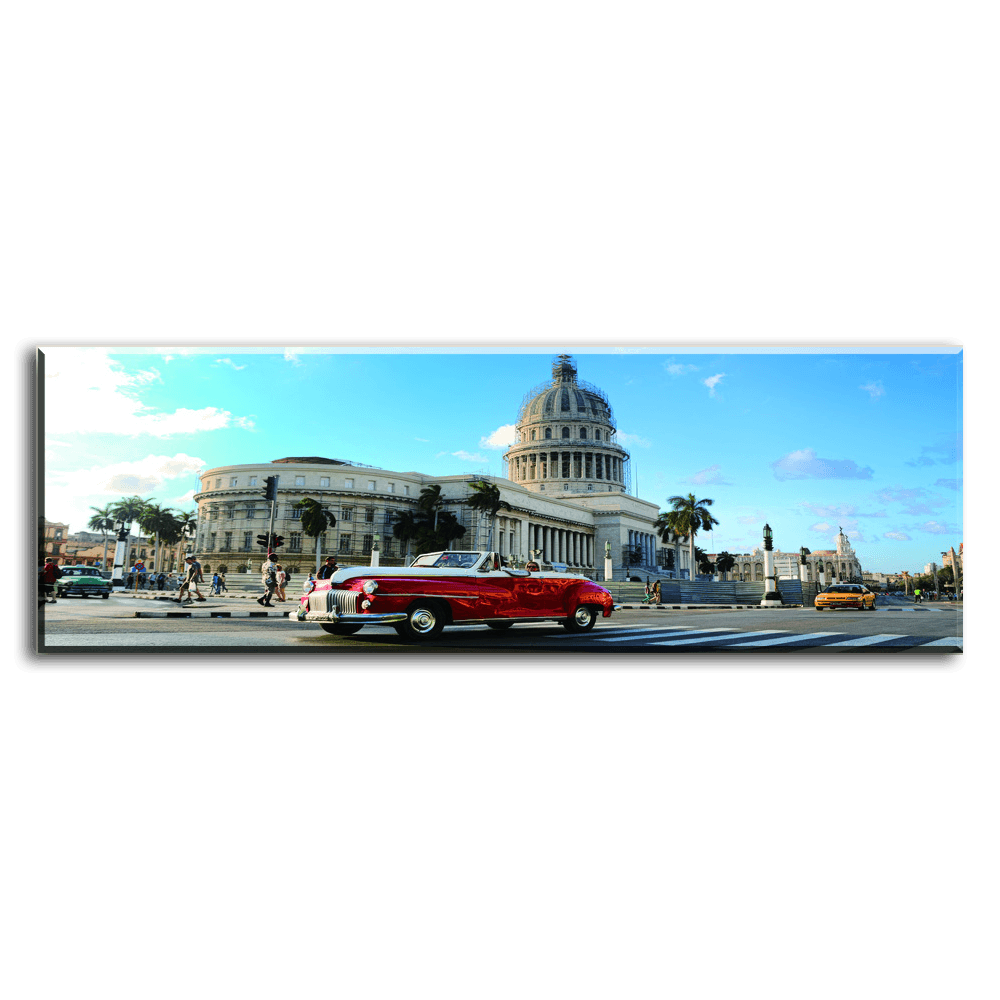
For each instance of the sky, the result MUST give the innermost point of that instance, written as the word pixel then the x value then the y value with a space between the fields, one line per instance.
pixel 808 443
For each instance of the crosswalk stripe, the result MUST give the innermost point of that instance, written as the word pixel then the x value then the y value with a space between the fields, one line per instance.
pixel 717 638
pixel 787 638
pixel 702 631
pixel 634 632
pixel 866 640
pixel 951 640
pixel 667 632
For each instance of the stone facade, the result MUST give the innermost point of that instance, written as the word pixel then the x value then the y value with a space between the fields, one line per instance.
pixel 567 511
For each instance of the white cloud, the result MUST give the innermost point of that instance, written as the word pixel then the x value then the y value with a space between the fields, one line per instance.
pixel 634 440
pixel 674 368
pixel 874 389
pixel 502 437
pixel 423 440
pixel 107 400
pixel 710 476
pixel 935 528
pixel 712 382
pixel 465 456
pixel 292 354
pixel 228 361
pixel 899 536
pixel 69 495
pixel 806 464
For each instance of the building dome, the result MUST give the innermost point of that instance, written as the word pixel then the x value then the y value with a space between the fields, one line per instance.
pixel 565 438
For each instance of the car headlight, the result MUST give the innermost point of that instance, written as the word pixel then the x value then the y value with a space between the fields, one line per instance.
pixel 370 586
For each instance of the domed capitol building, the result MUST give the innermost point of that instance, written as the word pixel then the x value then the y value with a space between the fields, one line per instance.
pixel 566 478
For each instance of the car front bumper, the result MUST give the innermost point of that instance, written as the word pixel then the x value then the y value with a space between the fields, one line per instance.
pixel 390 618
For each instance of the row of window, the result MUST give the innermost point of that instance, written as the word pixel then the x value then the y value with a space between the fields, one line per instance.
pixel 249 513
pixel 345 543
pixel 566 433
pixel 324 482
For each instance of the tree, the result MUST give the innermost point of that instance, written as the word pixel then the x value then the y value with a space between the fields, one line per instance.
pixel 486 499
pixel 157 520
pixel 430 502
pixel 406 528
pixel 127 510
pixel 703 562
pixel 631 556
pixel 315 520
pixel 104 522
pixel 687 517
pixel 725 562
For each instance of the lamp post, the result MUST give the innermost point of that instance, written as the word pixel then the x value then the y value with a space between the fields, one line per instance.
pixel 121 554
pixel 772 596
pixel 374 559
pixel 607 561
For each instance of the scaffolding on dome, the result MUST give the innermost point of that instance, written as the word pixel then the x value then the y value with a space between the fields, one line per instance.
pixel 585 386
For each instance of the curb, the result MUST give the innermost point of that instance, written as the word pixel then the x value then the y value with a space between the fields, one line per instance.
pixel 209 614
pixel 700 607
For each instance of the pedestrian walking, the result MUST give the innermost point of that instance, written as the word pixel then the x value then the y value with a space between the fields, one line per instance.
pixel 161 580
pixel 215 583
pixel 656 592
pixel 222 583
pixel 286 582
pixel 328 568
pixel 47 581
pixel 269 580
pixel 191 580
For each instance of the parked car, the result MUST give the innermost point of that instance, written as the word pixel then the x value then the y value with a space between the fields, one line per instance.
pixel 845 595
pixel 442 588
pixel 82 581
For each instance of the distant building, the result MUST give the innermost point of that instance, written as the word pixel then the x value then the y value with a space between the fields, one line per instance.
pixel 55 536
pixel 840 564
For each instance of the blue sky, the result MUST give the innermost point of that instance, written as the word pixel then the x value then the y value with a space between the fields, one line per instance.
pixel 805 442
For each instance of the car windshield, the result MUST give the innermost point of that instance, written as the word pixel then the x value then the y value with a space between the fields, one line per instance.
pixel 843 588
pixel 449 560
pixel 79 572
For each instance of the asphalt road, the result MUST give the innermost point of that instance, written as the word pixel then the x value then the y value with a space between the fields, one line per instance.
pixel 111 627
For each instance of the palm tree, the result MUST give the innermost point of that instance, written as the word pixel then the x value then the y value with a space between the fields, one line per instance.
pixel 127 510
pixel 430 501
pixel 725 562
pixel 487 500
pixel 408 526
pixel 102 521
pixel 687 517
pixel 315 520
pixel 157 520
pixel 704 563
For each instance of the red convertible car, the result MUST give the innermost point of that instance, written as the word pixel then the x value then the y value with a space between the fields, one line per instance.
pixel 442 588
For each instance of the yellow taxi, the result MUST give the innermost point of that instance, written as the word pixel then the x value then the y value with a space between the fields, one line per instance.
pixel 845 595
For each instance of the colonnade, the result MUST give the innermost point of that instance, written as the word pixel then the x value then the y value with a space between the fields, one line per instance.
pixel 561 545
pixel 542 465
pixel 647 542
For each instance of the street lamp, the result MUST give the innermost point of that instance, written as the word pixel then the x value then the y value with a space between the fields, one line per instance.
pixel 121 553
pixel 772 596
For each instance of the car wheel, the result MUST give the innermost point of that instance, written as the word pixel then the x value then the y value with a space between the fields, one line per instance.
pixel 423 621
pixel 340 629
pixel 105 596
pixel 582 620
pixel 499 626
pixel 819 608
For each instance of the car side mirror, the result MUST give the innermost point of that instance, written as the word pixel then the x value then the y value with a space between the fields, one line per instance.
pixel 515 572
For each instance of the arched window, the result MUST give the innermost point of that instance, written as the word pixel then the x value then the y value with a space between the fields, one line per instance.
pixel 532 435
pixel 597 435
pixel 583 432
pixel 548 433
pixel 565 432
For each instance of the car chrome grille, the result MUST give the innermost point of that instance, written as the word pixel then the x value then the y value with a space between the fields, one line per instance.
pixel 344 602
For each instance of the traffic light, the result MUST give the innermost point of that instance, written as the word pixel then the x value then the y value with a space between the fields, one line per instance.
pixel 271 488
pixel 277 541
pixel 262 541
